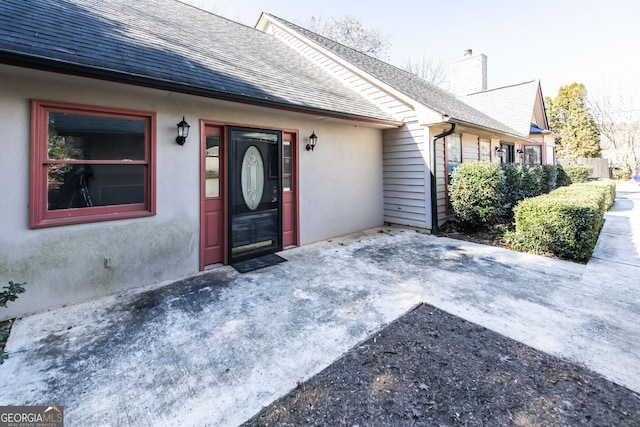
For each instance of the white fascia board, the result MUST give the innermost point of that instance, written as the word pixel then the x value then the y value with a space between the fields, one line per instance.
pixel 429 117
pixel 265 23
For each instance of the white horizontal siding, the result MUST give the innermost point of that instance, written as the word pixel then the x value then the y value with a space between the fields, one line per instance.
pixel 405 187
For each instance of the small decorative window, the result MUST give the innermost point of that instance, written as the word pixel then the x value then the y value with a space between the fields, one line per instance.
pixel 212 167
pixel 90 164
pixel 287 159
pixel 484 148
pixel 252 177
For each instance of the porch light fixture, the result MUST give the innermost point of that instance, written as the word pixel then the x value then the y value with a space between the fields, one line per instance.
pixel 500 151
pixel 313 140
pixel 520 151
pixel 183 132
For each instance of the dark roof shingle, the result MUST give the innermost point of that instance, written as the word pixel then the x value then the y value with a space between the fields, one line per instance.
pixel 414 87
pixel 171 42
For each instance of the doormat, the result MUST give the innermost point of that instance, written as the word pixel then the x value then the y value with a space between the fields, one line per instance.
pixel 257 263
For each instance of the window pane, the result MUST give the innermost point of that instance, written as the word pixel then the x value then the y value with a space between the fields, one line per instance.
pixel 286 147
pixel 454 148
pixel 287 182
pixel 454 152
pixel 212 167
pixel 485 149
pixel 84 185
pixel 212 187
pixel 212 170
pixel 84 137
pixel 213 146
pixel 533 155
pixel 287 166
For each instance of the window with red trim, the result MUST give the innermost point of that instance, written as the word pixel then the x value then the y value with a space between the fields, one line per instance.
pixel 90 164
pixel 532 154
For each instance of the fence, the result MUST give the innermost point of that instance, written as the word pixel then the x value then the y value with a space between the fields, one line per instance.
pixel 600 166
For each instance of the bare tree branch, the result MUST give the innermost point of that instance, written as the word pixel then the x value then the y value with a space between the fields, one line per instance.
pixel 349 31
pixel 619 124
pixel 428 69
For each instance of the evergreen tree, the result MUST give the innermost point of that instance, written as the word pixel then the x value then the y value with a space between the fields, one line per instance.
pixel 572 120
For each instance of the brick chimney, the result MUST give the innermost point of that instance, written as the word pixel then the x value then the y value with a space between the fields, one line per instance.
pixel 469 74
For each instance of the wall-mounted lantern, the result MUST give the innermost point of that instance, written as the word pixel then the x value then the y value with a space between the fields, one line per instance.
pixel 313 140
pixel 183 132
pixel 500 151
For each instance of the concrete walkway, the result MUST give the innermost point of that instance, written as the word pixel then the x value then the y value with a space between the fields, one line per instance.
pixel 213 349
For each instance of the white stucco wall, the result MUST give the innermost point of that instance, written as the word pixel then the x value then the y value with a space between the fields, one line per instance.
pixel 340 191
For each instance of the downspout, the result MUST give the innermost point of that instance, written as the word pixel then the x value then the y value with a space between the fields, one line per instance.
pixel 434 196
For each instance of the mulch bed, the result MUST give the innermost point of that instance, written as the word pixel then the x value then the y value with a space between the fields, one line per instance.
pixel 492 236
pixel 432 368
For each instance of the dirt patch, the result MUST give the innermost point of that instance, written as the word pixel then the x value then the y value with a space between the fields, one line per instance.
pixel 493 236
pixel 432 368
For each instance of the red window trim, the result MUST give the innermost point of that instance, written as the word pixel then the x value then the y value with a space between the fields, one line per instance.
pixel 39 215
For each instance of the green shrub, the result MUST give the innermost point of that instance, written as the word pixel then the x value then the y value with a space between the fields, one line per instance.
pixel 607 186
pixel 531 180
pixel 577 173
pixel 521 182
pixel 565 222
pixel 7 294
pixel 477 191
pixel 621 174
pixel 549 178
pixel 513 186
pixel 562 179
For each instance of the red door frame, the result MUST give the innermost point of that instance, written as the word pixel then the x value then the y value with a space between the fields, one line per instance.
pixel 290 205
pixel 293 196
pixel 204 124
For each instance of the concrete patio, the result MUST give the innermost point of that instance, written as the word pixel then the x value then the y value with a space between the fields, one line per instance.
pixel 214 348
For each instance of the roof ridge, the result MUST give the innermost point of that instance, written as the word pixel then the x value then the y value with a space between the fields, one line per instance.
pixel 420 90
pixel 503 87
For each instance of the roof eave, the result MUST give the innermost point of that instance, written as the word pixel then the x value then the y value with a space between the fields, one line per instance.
pixel 66 67
pixel 484 130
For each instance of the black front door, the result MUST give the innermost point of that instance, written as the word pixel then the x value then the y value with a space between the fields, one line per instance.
pixel 255 201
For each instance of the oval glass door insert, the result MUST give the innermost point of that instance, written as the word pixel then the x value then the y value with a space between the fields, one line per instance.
pixel 252 177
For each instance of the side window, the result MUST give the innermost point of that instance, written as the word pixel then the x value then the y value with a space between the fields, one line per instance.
pixel 454 153
pixel 287 165
pixel 484 149
pixel 212 167
pixel 454 159
pixel 90 164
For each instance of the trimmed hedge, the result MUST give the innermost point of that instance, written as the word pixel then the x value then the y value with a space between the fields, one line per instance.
pixel 565 222
pixel 480 199
pixel 609 187
pixel 477 192
pixel 476 203
pixel 577 173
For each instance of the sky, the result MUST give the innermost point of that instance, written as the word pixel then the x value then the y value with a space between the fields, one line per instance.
pixel 559 42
